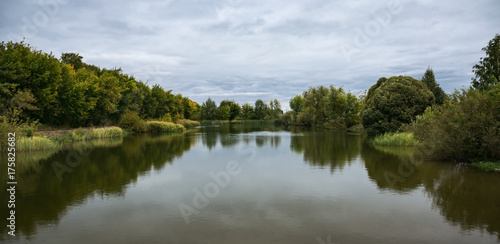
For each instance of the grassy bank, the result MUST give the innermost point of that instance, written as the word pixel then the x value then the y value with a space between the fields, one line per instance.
pixel 188 123
pixel 395 140
pixel 53 140
pixel 487 166
pixel 156 127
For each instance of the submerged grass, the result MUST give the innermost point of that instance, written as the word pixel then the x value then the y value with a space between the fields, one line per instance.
pixel 35 143
pixel 395 140
pixel 487 166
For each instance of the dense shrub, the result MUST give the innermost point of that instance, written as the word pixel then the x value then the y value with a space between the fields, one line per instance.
pixel 131 121
pixel 467 128
pixel 393 102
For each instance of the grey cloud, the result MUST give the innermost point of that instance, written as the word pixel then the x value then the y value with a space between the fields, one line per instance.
pixel 245 50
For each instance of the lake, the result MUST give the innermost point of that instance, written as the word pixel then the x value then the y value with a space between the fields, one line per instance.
pixel 248 184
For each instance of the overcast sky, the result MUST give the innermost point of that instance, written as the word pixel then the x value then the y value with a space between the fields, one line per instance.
pixel 245 50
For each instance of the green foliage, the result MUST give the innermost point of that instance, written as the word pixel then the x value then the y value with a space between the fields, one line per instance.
pixel 487 71
pixel 35 86
pixel 275 109
pixel 224 112
pixel 395 140
pixel 209 110
pixel 247 111
pixel 343 109
pixel 329 107
pixel 394 102
pixel 260 110
pixel 131 121
pixel 487 166
pixel 106 132
pixel 35 143
pixel 287 118
pixel 466 129
pixel 73 59
pixel 297 104
pixel 430 82
pixel 163 127
pixel 82 134
pixel 315 100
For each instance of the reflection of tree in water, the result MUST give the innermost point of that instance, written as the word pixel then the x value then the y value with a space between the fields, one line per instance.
pixel 394 172
pixel 231 135
pixel 329 148
pixel 42 199
pixel 466 198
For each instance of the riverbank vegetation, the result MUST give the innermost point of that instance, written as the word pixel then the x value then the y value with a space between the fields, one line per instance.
pixel 51 140
pixel 38 89
pixel 395 140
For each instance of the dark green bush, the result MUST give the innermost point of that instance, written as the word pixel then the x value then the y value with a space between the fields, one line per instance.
pixel 465 129
pixel 131 121
pixel 393 102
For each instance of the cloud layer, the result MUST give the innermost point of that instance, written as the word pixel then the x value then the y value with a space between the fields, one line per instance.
pixel 244 50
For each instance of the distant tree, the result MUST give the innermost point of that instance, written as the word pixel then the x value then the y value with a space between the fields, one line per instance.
pixel 209 110
pixel 224 112
pixel 73 59
pixel 247 111
pixel 297 104
pixel 275 109
pixel 315 99
pixel 430 81
pixel 260 109
pixel 234 111
pixel 488 70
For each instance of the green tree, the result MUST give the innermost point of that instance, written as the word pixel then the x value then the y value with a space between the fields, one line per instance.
pixel 32 70
pixel 209 110
pixel 342 108
pixel 224 112
pixel 73 59
pixel 315 100
pixel 275 109
pixel 235 111
pixel 395 102
pixel 488 70
pixel 260 109
pixel 430 81
pixel 247 111
pixel 297 104
pixel 108 95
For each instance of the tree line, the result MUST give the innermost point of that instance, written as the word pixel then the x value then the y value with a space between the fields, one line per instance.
pixel 36 86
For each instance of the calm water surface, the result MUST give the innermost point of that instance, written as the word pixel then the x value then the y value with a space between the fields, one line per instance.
pixel 248 185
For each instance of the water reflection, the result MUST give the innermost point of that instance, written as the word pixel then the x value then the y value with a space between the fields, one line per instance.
pixel 334 149
pixel 466 197
pixel 42 199
pixel 379 190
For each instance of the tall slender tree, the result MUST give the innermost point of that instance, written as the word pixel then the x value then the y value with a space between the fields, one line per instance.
pixel 430 81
